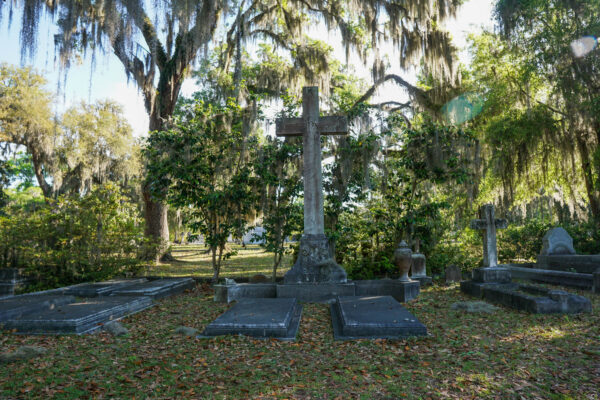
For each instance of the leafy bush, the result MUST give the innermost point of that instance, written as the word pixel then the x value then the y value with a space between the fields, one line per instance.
pixel 74 239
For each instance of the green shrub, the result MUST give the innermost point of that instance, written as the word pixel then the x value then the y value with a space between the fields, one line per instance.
pixel 74 239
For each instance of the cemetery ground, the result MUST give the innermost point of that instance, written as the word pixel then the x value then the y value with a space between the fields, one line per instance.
pixel 195 260
pixel 506 354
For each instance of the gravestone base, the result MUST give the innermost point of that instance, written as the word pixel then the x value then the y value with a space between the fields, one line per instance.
pixel 491 275
pixel 399 290
pixel 596 284
pixel 229 293
pixel 316 292
pixel 423 280
pixel 537 300
pixel 315 263
pixel 77 317
pixel 373 317
pixel 157 289
pixel 560 278
pixel 259 318
pixel 476 289
pixel 584 264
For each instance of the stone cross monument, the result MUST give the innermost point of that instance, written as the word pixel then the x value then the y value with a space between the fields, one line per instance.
pixel 489 224
pixel 315 262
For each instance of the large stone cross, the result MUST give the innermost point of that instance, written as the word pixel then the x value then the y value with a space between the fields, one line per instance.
pixel 311 127
pixel 489 224
pixel 315 262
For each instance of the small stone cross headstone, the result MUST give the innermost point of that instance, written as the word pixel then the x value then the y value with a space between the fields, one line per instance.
pixel 315 262
pixel 488 223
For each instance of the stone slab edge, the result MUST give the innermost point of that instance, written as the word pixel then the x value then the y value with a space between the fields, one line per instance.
pixel 89 327
pixel 562 278
pixel 290 336
pixel 336 321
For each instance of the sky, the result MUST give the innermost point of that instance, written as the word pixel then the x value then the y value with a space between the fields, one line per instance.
pixel 108 80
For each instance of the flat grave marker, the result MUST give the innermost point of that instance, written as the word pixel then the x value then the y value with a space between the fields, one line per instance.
pixel 95 289
pixel 78 317
pixel 373 317
pixel 261 318
pixel 157 289
pixel 14 307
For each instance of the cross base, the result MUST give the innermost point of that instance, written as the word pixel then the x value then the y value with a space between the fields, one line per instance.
pixel 315 263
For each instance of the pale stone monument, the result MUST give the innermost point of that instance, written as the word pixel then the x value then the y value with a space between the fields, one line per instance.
pixel 418 268
pixel 488 223
pixel 490 274
pixel 557 241
pixel 315 262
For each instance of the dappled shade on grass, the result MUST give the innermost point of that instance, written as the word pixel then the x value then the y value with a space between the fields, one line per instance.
pixel 193 259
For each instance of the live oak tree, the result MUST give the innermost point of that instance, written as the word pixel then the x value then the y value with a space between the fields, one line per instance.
pixel 89 144
pixel 157 42
pixel 556 41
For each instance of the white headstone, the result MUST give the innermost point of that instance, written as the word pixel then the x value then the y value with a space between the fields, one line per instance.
pixel 557 241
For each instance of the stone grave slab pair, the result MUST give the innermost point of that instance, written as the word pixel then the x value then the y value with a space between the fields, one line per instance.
pixel 353 317
pixel 85 307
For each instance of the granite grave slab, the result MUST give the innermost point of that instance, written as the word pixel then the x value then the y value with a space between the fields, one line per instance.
pixel 537 300
pixel 157 289
pixel 17 306
pixel 95 289
pixel 561 278
pixel 78 317
pixel 260 318
pixel 373 317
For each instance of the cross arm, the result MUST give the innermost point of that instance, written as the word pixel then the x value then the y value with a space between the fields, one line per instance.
pixel 330 125
pixel 481 224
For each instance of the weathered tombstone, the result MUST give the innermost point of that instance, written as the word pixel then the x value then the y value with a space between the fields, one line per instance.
pixel 418 267
pixel 453 274
pixel 557 241
pixel 596 284
pixel 558 254
pixel 315 262
pixel 490 274
pixel 488 223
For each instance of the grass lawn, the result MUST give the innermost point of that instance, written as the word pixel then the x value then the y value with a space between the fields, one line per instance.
pixel 504 355
pixel 195 260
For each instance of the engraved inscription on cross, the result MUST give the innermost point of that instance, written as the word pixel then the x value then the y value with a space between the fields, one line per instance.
pixel 489 224
pixel 311 127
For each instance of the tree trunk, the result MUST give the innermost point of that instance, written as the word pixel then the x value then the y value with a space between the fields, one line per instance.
pixel 157 226
pixel 588 177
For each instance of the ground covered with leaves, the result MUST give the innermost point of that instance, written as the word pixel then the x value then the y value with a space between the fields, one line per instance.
pixel 507 354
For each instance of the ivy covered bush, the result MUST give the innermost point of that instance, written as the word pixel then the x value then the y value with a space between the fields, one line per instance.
pixel 73 238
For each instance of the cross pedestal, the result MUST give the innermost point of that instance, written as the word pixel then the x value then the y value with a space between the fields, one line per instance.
pixel 315 261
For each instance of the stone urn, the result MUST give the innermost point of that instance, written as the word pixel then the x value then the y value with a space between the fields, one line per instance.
pixel 403 260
